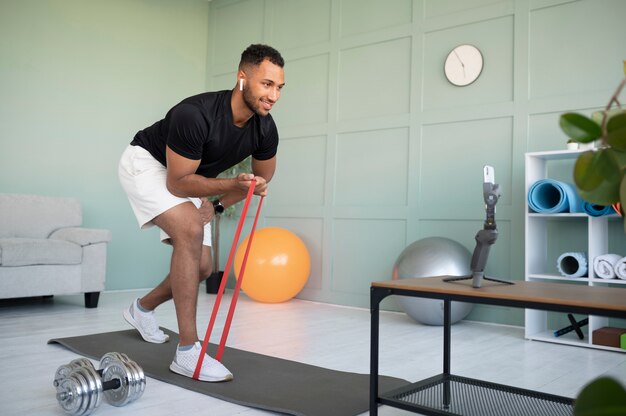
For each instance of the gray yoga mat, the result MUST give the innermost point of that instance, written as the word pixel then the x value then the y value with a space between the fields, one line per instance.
pixel 260 381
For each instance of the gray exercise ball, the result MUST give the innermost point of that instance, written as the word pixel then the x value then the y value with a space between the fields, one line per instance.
pixel 432 256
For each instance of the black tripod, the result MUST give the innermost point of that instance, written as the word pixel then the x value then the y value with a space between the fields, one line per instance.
pixel 485 238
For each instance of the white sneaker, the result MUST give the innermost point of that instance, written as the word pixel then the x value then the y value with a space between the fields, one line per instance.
pixel 185 363
pixel 145 323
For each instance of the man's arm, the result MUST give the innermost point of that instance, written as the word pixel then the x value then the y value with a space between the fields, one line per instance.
pixel 264 168
pixel 263 171
pixel 183 181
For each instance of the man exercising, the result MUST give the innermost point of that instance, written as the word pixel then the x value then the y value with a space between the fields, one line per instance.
pixel 169 172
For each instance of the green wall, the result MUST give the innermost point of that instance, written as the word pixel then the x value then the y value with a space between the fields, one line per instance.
pixel 377 148
pixel 78 78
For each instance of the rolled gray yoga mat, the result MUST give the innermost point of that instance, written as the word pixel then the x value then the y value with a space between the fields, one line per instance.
pixel 261 381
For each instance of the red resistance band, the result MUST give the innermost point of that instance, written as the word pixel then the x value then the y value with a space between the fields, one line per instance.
pixel 233 302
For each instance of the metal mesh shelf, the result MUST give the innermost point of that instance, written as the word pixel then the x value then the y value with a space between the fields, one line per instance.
pixel 469 397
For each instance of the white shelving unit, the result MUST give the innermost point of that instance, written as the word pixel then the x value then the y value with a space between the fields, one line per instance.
pixel 538 267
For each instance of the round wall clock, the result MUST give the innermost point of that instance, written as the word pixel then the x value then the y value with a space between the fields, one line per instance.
pixel 463 65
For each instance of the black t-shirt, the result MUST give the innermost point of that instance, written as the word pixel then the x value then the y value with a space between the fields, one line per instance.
pixel 201 128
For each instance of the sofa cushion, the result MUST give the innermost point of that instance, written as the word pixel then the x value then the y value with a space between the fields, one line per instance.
pixel 35 216
pixel 31 251
pixel 82 236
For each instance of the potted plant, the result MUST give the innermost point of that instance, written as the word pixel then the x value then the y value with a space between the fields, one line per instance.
pixel 604 396
pixel 600 173
pixel 214 280
pixel 600 177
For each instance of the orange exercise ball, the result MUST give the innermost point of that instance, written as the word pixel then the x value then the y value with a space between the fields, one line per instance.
pixel 278 265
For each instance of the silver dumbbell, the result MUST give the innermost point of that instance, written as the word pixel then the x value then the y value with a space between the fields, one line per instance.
pixel 80 386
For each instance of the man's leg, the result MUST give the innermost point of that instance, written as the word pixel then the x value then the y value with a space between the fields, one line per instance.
pixel 146 322
pixel 184 226
pixel 186 230
pixel 163 292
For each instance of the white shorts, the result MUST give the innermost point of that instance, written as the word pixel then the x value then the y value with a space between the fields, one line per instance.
pixel 143 178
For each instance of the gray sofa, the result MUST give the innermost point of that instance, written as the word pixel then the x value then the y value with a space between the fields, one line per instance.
pixel 44 250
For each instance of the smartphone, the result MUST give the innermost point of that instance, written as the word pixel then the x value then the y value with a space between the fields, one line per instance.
pixel 489 174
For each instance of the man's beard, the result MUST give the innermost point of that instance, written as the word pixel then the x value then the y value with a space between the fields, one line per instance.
pixel 251 102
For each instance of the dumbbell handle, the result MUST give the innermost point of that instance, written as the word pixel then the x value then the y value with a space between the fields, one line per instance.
pixel 106 385
pixel 111 384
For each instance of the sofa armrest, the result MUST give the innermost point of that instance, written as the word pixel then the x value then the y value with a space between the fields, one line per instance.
pixel 82 236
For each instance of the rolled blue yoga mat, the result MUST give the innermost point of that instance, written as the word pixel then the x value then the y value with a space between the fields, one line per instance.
pixel 597 210
pixel 552 196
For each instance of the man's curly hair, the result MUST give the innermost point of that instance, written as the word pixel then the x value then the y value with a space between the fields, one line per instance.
pixel 257 53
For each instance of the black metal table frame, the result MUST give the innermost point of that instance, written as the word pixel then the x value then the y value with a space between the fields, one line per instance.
pixel 377 294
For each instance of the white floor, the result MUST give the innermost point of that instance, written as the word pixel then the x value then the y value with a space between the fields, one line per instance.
pixel 319 334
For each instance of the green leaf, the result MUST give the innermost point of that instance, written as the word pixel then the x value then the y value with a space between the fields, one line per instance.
pixel 598 177
pixel 579 128
pixel 604 396
pixel 618 159
pixel 608 165
pixel 607 193
pixel 586 173
pixel 616 128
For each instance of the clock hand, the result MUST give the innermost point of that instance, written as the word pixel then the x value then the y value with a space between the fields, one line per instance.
pixel 462 64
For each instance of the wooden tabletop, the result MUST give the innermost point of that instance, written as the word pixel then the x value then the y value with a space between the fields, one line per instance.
pixel 580 296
